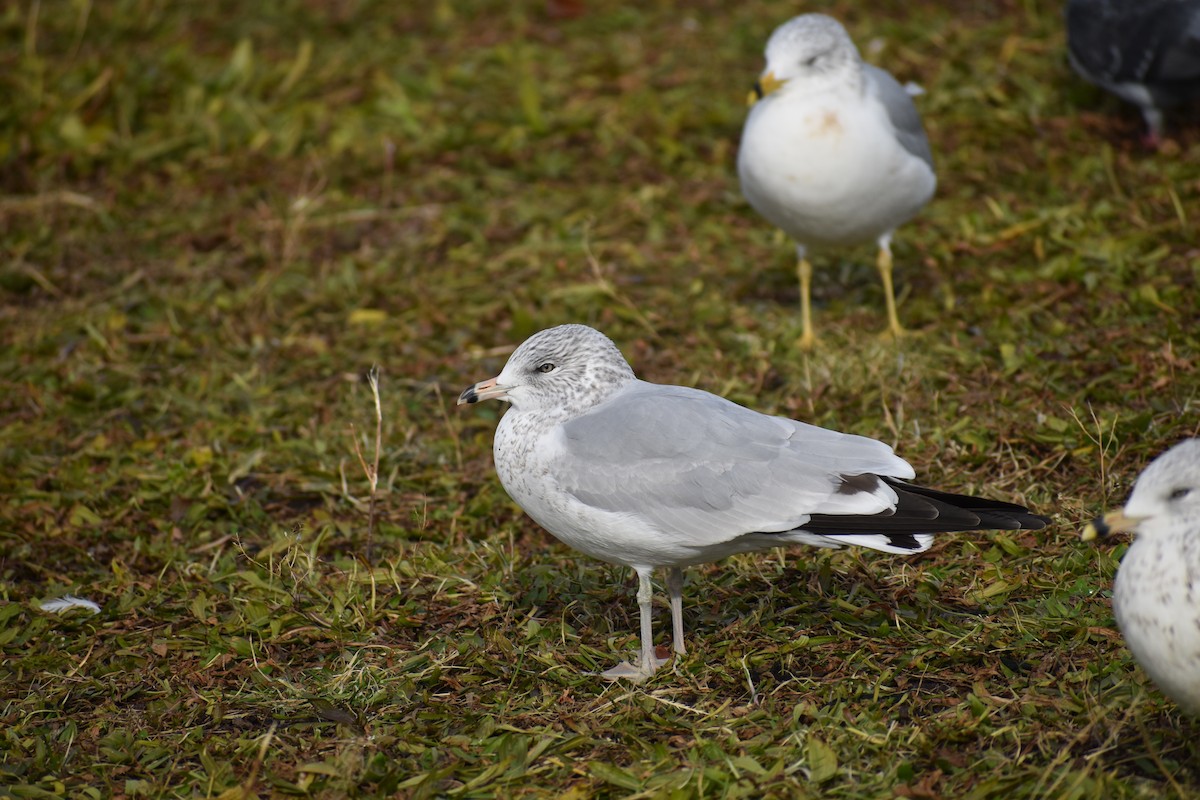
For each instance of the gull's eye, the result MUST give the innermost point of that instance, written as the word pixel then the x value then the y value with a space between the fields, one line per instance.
pixel 546 367
pixel 1180 493
pixel 811 61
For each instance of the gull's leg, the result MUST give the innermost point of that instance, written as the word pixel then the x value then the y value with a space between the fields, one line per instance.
pixel 645 597
pixel 675 591
pixel 804 271
pixel 648 662
pixel 884 263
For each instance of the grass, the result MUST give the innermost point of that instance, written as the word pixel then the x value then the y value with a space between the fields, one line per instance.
pixel 216 219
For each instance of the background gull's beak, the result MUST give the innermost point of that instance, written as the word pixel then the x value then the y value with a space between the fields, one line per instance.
pixel 484 390
pixel 762 87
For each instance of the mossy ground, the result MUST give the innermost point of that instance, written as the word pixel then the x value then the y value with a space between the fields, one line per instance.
pixel 217 217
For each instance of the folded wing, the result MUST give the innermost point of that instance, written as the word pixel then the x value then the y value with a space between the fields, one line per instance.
pixel 704 470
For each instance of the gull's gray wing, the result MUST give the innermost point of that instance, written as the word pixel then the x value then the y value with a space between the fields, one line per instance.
pixel 900 110
pixel 703 470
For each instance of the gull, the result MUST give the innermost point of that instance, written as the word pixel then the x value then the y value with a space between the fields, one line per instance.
pixel 1156 596
pixel 833 152
pixel 652 476
pixel 1147 52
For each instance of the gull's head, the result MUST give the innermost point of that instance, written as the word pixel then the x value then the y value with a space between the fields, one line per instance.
pixel 1165 498
pixel 567 369
pixel 811 50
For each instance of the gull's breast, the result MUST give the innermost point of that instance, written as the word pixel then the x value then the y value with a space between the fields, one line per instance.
pixel 829 170
pixel 1156 599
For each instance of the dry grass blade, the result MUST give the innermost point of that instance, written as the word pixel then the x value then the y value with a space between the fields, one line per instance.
pixel 371 470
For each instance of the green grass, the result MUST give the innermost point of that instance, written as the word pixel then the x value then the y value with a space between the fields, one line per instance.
pixel 215 220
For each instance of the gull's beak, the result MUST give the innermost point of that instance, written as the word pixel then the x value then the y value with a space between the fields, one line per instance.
pixel 1110 523
pixel 763 86
pixel 484 390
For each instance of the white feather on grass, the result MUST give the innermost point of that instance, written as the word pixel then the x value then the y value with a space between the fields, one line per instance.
pixel 67 602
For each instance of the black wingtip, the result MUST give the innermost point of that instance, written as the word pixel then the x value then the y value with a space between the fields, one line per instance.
pixel 922 510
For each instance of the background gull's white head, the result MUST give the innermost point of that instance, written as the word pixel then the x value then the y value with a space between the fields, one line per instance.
pixel 1165 498
pixel 812 51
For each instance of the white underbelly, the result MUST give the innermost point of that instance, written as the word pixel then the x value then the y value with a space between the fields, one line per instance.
pixel 830 175
pixel 1160 626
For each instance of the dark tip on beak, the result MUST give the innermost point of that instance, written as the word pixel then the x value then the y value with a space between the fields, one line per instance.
pixel 1096 530
pixel 758 90
pixel 1111 523
pixel 484 390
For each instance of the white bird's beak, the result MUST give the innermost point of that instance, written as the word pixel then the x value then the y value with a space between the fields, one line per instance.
pixel 1110 523
pixel 766 84
pixel 490 389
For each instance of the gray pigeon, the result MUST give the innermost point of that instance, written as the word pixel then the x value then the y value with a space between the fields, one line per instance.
pixel 1146 52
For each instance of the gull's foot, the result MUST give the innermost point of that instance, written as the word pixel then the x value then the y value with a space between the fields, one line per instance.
pixel 629 672
pixel 807 341
pixel 893 333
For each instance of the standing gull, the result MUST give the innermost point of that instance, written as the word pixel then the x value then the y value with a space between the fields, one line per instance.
pixel 833 152
pixel 1147 52
pixel 1156 597
pixel 652 476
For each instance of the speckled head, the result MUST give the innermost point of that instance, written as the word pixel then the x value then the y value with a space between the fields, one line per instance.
pixel 813 50
pixel 1169 488
pixel 566 370
pixel 1165 499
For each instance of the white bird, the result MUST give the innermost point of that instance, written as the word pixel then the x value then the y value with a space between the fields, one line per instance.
pixel 1156 596
pixel 652 476
pixel 1147 52
pixel 833 152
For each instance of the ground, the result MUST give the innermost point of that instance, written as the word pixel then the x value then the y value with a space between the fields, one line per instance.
pixel 216 218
